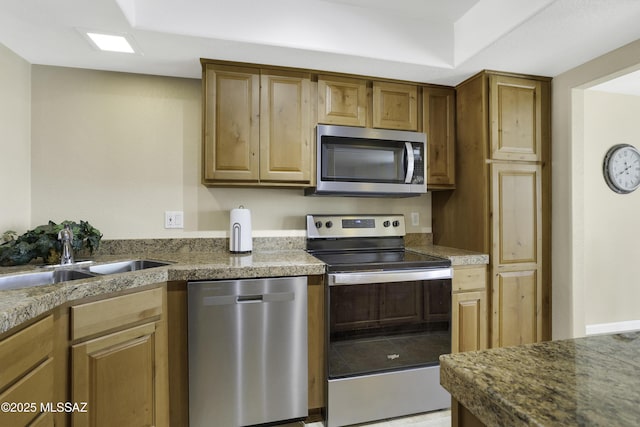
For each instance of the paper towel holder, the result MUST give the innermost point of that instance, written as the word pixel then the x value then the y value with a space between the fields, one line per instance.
pixel 240 239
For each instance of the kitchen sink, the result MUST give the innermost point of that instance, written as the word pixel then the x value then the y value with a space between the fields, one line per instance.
pixel 124 266
pixel 25 280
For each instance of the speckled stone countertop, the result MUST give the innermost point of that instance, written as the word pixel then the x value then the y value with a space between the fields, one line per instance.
pixel 457 256
pixel 592 381
pixel 191 259
pixel 20 305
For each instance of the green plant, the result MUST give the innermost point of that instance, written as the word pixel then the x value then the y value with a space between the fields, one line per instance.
pixel 42 242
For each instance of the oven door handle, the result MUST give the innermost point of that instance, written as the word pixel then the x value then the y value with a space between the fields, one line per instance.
pixel 367 277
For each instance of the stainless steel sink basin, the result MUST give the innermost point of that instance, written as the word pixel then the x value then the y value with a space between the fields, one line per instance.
pixel 25 280
pixel 124 266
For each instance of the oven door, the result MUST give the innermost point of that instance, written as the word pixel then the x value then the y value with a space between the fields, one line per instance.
pixel 387 321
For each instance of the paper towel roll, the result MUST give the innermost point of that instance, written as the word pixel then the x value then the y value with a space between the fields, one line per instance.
pixel 240 240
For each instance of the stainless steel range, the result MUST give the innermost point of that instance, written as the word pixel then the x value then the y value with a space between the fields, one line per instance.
pixel 388 318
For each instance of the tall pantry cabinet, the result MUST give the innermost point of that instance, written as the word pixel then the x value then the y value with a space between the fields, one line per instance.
pixel 501 205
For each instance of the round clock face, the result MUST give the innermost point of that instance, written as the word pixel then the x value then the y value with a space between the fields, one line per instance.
pixel 621 168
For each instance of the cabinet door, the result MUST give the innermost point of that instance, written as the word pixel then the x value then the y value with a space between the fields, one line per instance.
pixel 469 321
pixel 231 123
pixel 439 121
pixel 516 118
pixel 516 254
pixel 517 304
pixel 395 106
pixel 35 390
pixel 116 376
pixel 517 214
pixel 342 101
pixel 286 146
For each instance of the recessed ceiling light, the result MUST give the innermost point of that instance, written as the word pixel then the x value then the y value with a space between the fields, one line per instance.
pixel 110 42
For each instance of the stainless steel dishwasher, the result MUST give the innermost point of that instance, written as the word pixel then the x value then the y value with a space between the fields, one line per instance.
pixel 247 351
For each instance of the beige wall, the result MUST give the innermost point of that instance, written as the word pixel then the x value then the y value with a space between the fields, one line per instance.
pixel 15 162
pixel 570 237
pixel 120 149
pixel 611 225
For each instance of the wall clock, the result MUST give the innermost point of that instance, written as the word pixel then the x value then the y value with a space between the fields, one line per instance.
pixel 621 168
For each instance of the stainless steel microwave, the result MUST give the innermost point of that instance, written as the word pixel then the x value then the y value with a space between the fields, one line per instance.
pixel 353 161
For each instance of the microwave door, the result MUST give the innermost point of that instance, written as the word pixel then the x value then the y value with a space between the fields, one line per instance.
pixel 409 161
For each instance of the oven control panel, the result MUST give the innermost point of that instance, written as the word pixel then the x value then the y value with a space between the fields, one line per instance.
pixel 340 226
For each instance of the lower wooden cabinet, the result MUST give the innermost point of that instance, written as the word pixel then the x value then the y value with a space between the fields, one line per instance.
pixel 316 338
pixel 469 330
pixel 119 363
pixel 27 375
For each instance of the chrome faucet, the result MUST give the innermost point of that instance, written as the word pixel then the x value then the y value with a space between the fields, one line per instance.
pixel 66 237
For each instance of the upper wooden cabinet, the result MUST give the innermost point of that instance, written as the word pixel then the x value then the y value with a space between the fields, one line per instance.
pixel 395 106
pixel 286 144
pixel 231 123
pixel 516 118
pixel 257 126
pixel 342 101
pixel 439 123
pixel 259 122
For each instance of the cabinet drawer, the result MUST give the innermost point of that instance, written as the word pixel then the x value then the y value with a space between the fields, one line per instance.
pixel 25 349
pixel 35 388
pixel 100 316
pixel 469 278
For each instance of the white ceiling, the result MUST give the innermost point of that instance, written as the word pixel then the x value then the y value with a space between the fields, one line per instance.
pixel 436 41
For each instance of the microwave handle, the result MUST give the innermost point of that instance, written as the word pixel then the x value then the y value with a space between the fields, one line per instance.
pixel 410 162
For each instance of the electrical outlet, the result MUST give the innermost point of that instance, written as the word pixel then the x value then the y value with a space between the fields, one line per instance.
pixel 174 219
pixel 415 219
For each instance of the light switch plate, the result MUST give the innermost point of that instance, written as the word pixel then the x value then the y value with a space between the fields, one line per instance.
pixel 415 218
pixel 174 219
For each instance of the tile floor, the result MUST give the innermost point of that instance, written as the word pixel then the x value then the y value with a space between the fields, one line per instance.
pixel 431 419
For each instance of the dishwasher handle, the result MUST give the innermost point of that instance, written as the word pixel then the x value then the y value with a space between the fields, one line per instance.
pixel 248 299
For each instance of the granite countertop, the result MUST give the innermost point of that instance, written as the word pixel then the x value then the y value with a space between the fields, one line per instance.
pixel 20 305
pixel 191 259
pixel 457 256
pixel 590 381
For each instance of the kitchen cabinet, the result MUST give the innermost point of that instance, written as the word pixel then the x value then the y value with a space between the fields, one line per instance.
pixel 439 123
pixel 395 106
pixel 315 340
pixel 27 375
pixel 501 204
pixel 119 360
pixel 517 254
pixel 231 134
pixel 469 328
pixel 342 101
pixel 257 126
pixel 286 134
pixel 516 112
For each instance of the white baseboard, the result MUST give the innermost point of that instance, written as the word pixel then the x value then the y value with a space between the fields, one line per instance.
pixel 611 328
